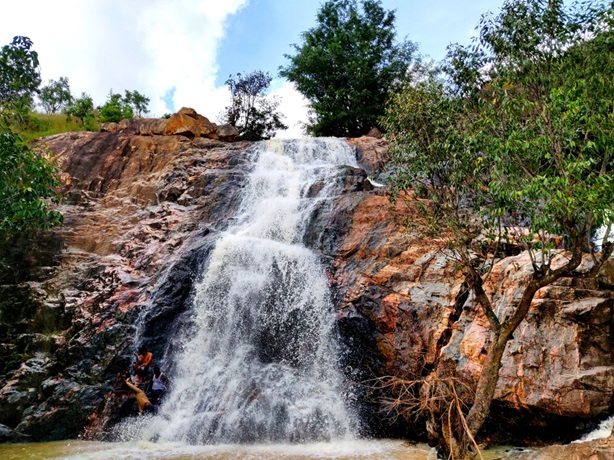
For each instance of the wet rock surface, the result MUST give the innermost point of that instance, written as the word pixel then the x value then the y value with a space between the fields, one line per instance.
pixel 142 213
pixel 601 449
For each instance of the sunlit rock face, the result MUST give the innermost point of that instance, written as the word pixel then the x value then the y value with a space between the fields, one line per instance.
pixel 403 310
pixel 143 211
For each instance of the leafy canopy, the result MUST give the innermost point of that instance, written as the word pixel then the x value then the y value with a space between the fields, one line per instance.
pixel 347 64
pixel 28 179
pixel 82 108
pixel 19 74
pixel 513 141
pixel 520 127
pixel 27 188
pixel 119 107
pixel 138 102
pixel 251 111
pixel 56 95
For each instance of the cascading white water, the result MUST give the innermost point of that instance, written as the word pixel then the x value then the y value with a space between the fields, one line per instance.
pixel 259 362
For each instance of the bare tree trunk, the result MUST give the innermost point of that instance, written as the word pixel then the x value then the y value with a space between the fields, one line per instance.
pixel 502 333
pixel 487 383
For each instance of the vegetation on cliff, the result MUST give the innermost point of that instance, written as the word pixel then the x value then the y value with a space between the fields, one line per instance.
pixel 512 141
pixel 27 178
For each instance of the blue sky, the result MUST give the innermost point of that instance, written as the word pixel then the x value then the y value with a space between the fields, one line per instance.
pixel 261 33
pixel 180 52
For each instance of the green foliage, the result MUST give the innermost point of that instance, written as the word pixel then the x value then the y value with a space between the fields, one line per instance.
pixel 56 95
pixel 251 111
pixel 115 109
pixel 347 64
pixel 138 102
pixel 427 127
pixel 514 140
pixel 118 108
pixel 525 141
pixel 82 108
pixel 27 179
pixel 19 76
pixel 27 184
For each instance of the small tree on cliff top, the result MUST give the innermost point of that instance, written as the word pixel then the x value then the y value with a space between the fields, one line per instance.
pixel 56 95
pixel 251 111
pixel 19 74
pixel 516 145
pixel 347 65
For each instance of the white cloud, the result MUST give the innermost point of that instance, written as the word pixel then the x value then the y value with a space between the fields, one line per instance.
pixel 293 106
pixel 151 46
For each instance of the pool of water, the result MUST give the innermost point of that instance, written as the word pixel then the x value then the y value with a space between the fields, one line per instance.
pixel 343 450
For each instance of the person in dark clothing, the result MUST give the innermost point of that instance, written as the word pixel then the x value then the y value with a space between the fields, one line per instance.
pixel 119 385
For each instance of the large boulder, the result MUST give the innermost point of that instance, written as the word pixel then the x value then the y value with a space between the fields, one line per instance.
pixel 140 126
pixel 227 133
pixel 186 122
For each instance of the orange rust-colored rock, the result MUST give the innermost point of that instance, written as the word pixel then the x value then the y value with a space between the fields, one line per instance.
pixel 559 363
pixel 143 209
pixel 186 122
pixel 183 125
pixel 372 153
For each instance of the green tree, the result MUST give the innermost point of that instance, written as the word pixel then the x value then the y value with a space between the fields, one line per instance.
pixel 27 178
pixel 19 78
pixel 251 111
pixel 56 95
pixel 347 64
pixel 82 108
pixel 514 144
pixel 19 71
pixel 27 188
pixel 115 109
pixel 138 102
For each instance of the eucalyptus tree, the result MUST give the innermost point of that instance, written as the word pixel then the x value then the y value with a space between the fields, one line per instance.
pixel 514 142
pixel 139 102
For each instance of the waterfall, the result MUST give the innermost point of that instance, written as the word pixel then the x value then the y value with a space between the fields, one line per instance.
pixel 259 361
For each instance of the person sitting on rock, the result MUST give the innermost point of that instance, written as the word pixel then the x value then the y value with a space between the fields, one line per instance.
pixel 142 366
pixel 142 401
pixel 158 386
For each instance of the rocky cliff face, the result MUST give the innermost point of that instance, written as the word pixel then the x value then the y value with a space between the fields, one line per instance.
pixel 403 310
pixel 141 215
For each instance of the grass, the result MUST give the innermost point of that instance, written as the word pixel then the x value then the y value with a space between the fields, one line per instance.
pixel 42 125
